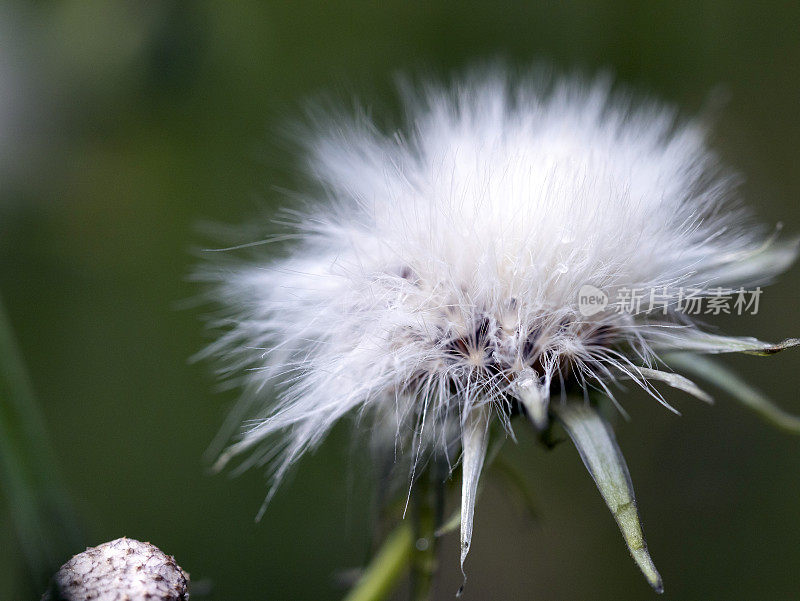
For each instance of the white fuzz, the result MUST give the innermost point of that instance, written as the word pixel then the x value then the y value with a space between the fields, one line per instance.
pixel 434 281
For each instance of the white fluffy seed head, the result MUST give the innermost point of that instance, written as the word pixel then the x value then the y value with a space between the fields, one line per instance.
pixel 436 268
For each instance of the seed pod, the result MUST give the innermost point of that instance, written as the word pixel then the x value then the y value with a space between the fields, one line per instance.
pixel 120 570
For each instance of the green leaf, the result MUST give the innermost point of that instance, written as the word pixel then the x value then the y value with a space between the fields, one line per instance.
pixel 474 441
pixel 676 381
pixel 730 382
pixel 598 448
pixel 451 524
pixel 702 342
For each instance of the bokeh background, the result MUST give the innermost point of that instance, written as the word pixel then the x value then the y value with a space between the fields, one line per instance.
pixel 123 125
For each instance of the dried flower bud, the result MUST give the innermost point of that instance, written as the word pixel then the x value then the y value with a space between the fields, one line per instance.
pixel 120 570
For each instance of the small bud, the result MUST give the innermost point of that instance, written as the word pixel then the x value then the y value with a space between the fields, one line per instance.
pixel 122 569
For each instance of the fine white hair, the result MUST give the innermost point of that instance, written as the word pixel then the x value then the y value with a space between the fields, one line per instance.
pixel 434 273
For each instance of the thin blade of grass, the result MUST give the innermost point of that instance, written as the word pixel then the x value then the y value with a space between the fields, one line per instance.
pixel 44 523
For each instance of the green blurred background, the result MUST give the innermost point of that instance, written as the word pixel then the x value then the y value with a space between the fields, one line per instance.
pixel 125 124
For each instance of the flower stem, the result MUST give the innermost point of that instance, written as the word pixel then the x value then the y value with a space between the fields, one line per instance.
pixel 387 567
pixel 428 509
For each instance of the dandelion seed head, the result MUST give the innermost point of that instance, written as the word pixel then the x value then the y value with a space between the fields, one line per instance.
pixel 435 270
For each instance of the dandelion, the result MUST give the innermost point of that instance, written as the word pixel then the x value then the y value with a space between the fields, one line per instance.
pixel 433 284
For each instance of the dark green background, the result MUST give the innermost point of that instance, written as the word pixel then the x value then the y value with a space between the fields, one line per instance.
pixel 128 123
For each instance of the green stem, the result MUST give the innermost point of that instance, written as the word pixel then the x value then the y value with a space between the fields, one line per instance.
pixel 428 505
pixel 387 567
pixel 30 483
